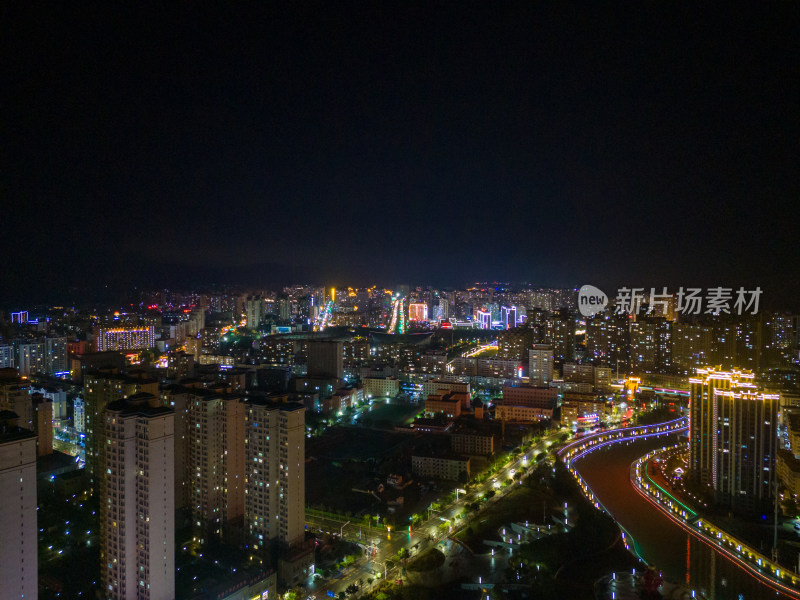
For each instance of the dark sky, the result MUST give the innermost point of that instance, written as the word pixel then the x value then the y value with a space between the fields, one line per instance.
pixel 353 142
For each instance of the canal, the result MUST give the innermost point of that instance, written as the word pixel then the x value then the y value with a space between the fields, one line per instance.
pixel 681 557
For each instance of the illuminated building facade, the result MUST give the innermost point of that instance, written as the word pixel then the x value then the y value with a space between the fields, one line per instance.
pixel 508 317
pixel 417 311
pixel 484 318
pixel 123 339
pixel 733 439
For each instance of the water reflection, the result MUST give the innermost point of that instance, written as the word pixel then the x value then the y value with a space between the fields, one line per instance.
pixel 681 557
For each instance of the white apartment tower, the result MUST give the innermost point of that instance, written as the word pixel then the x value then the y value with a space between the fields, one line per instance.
pixel 18 531
pixel 275 495
pixel 137 507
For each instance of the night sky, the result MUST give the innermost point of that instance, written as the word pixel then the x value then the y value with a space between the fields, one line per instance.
pixel 356 143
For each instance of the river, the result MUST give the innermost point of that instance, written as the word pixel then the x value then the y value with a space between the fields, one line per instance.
pixel 681 557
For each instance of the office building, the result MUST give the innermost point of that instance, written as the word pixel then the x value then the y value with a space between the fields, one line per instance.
pixel 275 502
pixel 733 438
pixel 137 509
pixel 18 530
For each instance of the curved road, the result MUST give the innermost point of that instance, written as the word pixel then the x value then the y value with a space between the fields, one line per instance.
pixel 681 557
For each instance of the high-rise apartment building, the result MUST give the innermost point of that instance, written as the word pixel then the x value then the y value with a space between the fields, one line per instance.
pixel 137 510
pixel 7 356
pixel 18 530
pixel 137 337
pixel 255 311
pixel 560 333
pixel 275 473
pixel 215 460
pixel 325 359
pixel 100 389
pixel 540 364
pixel 514 344
pixel 30 357
pixel 733 437
pixel 55 356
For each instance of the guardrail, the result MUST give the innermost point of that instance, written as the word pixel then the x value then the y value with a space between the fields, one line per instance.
pixel 744 556
pixel 572 452
pixel 579 448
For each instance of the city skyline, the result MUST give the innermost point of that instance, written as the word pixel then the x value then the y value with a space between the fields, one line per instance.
pixel 425 145
pixel 399 301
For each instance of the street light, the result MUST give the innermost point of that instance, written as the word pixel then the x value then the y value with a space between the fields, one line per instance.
pixel 341 530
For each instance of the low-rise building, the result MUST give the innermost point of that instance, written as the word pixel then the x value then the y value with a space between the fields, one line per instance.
pixel 446 404
pixel 579 409
pixel 375 387
pixel 451 467
pixel 472 443
pixel 521 414
pixel 537 397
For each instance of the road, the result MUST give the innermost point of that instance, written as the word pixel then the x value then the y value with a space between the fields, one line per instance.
pixel 680 556
pixel 423 536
